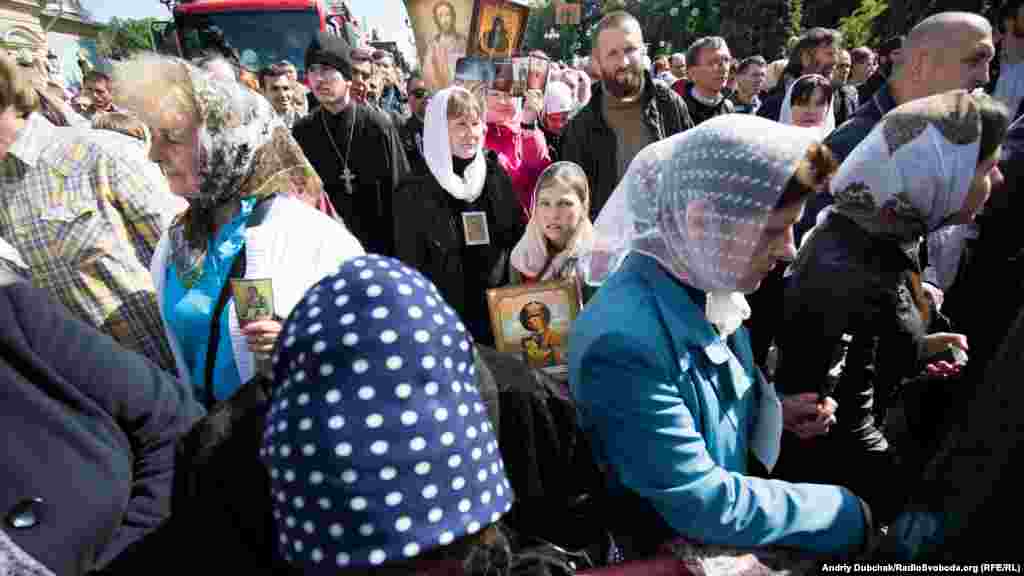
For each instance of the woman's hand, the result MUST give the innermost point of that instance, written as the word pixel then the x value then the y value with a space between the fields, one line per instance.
pixel 941 341
pixel 261 336
pixel 807 415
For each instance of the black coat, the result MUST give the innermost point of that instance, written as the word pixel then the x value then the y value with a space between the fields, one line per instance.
pixel 589 141
pixel 90 430
pixel 849 282
pixel 699 111
pixel 377 160
pixel 429 237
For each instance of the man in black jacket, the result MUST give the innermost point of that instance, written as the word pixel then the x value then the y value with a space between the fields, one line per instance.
pixel 704 91
pixel 628 110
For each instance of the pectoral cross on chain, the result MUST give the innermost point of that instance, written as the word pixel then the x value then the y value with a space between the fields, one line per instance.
pixel 347 176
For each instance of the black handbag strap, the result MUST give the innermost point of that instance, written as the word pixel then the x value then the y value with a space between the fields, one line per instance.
pixel 258 215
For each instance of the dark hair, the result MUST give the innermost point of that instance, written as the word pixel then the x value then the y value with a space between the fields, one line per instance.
pixel 93 76
pixel 890 46
pixel 810 41
pixel 523 318
pixel 1009 9
pixel 272 71
pixel 482 554
pixel 995 119
pixel 813 172
pixel 860 54
pixel 751 61
pixel 694 51
pixel 805 87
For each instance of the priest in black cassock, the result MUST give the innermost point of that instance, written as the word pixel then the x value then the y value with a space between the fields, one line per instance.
pixel 355 149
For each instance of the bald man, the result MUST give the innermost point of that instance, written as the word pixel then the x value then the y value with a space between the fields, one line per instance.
pixel 944 52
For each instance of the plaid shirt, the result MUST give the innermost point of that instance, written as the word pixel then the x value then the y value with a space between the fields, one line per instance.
pixel 85 218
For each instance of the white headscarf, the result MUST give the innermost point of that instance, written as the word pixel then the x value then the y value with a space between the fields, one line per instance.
pixel 531 255
pixel 916 166
pixel 786 117
pixel 739 164
pixel 559 98
pixel 437 151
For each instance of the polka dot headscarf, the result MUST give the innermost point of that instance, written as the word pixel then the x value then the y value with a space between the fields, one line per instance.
pixel 378 443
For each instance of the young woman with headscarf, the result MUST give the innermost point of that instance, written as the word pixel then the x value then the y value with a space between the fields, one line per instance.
pixel 559 230
pixel 928 164
pixel 514 133
pixel 659 363
pixel 807 104
pixel 224 150
pixel 458 223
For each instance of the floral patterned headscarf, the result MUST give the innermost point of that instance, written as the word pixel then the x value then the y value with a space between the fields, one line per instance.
pixel 243 150
pixel 910 176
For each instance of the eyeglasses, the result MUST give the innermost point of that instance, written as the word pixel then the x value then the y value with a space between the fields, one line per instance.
pixel 324 72
pixel 420 93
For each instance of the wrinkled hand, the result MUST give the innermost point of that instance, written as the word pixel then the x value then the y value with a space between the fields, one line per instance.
pixel 940 342
pixel 934 294
pixel 261 336
pixel 806 416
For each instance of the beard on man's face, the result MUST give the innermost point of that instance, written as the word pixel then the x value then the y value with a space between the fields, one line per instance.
pixel 624 81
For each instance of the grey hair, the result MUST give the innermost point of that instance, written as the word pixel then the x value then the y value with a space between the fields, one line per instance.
pixel 712 42
pixel 207 62
pixel 677 56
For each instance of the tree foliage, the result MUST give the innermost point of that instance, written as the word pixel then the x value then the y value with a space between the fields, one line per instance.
pixel 123 37
pixel 859 28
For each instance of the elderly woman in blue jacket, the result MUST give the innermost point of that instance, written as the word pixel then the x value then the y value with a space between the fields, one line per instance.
pixel 660 365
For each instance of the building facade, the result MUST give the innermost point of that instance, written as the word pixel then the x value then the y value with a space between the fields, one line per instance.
pixel 68 33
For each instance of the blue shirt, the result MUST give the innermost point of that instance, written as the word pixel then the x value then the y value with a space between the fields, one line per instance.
pixel 670 409
pixel 189 310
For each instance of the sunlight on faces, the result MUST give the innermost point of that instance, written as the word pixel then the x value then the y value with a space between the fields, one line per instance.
pixel 362 77
pixel 747 250
pixel 620 59
pixel 329 86
pixel 961 61
pixel 464 135
pixel 822 60
pixel 100 93
pixel 176 147
pixel 987 177
pixel 752 80
pixel 559 212
pixel 279 92
pixel 711 73
pixel 811 114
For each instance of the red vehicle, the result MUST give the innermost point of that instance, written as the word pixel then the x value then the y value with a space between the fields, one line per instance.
pixel 259 32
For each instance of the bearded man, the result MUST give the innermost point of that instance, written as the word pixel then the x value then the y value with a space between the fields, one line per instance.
pixel 628 110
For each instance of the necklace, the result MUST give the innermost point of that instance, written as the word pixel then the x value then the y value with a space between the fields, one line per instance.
pixel 346 175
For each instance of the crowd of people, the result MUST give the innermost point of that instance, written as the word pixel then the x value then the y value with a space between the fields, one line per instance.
pixel 249 328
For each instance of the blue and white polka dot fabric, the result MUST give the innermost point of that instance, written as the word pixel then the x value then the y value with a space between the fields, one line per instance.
pixel 378 443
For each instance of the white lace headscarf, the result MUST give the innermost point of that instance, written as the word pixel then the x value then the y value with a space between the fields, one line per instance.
pixel 917 166
pixel 786 116
pixel 738 165
pixel 437 151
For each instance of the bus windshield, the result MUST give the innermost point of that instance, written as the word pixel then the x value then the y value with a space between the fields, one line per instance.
pixel 258 38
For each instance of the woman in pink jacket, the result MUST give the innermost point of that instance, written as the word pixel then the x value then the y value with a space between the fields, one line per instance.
pixel 514 133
